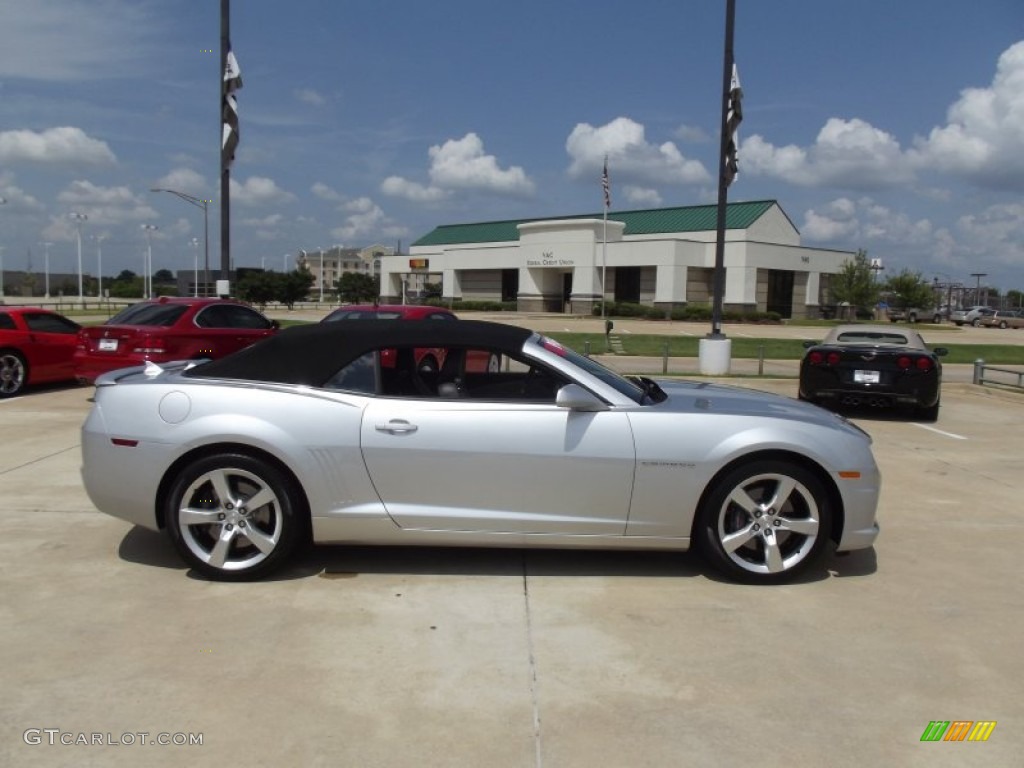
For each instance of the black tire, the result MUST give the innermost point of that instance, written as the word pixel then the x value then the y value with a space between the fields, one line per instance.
pixel 13 373
pixel 494 364
pixel 198 516
pixel 764 541
pixel 912 318
pixel 930 413
pixel 1002 324
pixel 975 323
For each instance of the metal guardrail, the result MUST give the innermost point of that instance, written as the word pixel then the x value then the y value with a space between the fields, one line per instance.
pixel 1008 377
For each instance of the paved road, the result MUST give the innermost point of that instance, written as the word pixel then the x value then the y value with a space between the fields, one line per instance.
pixel 502 658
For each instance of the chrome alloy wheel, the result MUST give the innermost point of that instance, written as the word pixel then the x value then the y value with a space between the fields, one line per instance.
pixel 12 374
pixel 769 523
pixel 230 519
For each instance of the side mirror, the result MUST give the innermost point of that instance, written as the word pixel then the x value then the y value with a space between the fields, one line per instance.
pixel 576 398
pixel 941 351
pixel 808 344
pixel 275 325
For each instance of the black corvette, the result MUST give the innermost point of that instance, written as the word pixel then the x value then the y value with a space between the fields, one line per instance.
pixel 874 366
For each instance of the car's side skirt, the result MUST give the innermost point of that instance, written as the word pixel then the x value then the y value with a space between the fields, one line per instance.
pixel 384 533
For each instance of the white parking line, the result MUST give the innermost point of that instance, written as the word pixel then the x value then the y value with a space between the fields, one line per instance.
pixel 940 432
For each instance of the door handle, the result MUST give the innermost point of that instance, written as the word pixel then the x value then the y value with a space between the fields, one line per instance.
pixel 397 427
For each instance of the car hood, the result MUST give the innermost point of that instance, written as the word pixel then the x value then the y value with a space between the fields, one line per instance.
pixel 696 397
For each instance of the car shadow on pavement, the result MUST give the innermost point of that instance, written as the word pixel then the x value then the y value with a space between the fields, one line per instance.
pixel 149 548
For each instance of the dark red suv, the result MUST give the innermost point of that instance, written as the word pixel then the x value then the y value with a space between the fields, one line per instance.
pixel 165 329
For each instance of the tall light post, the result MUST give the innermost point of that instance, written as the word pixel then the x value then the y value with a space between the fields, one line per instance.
pixel 198 202
pixel 321 275
pixel 195 278
pixel 3 201
pixel 46 268
pixel 147 278
pixel 79 218
pixel 284 263
pixel 99 265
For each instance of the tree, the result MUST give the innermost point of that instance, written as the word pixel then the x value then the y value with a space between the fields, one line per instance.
pixel 909 289
pixel 163 276
pixel 130 288
pixel 855 284
pixel 259 287
pixel 355 287
pixel 294 286
pixel 126 274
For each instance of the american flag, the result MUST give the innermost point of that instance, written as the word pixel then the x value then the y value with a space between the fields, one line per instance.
pixel 732 121
pixel 229 110
pixel 606 185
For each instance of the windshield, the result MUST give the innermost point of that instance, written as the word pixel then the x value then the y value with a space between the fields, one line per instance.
pixel 607 375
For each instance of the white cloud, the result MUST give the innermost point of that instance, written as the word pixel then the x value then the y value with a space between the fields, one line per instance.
pixel 641 196
pixel 630 156
pixel 867 223
pixel 366 220
pixel 184 180
pixel 65 145
pixel 848 154
pixel 18 200
pixel 309 96
pixel 106 206
pixel 325 192
pixel 983 140
pixel 396 186
pixel 259 190
pixel 463 165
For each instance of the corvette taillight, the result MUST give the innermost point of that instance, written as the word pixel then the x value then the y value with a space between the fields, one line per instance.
pixel 903 362
pixel 924 364
pixel 816 358
pixel 833 358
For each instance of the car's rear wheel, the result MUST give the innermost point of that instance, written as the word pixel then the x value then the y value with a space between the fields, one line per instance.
pixel 234 517
pixel 13 373
pixel 765 521
pixel 931 413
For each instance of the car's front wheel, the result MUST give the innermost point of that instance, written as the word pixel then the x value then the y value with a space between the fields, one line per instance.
pixel 234 517
pixel 765 521
pixel 13 373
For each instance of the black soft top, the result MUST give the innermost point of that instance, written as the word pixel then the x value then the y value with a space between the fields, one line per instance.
pixel 312 354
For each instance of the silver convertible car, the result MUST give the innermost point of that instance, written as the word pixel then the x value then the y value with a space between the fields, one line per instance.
pixel 332 432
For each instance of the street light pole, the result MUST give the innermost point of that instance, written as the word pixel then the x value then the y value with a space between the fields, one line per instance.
pixel 195 276
pixel 321 275
pixel 79 218
pixel 977 285
pixel 3 201
pixel 198 202
pixel 46 268
pixel 147 278
pixel 99 265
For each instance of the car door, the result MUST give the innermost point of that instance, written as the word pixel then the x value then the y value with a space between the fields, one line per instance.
pixel 502 465
pixel 221 329
pixel 53 339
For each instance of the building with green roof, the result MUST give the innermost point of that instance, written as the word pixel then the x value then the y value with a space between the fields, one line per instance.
pixel 664 257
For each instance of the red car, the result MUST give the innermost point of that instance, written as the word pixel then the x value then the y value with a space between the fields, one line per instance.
pixel 428 361
pixel 165 329
pixel 36 346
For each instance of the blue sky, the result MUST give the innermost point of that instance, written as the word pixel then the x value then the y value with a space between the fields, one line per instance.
pixel 896 127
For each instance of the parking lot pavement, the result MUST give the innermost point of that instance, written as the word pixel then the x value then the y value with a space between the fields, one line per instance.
pixel 401 657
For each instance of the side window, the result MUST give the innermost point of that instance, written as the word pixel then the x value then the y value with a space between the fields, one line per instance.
pixel 41 322
pixel 358 376
pixel 7 322
pixel 231 316
pixel 467 374
pixel 441 316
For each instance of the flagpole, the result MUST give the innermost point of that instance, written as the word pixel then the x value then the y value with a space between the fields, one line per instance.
pixel 715 349
pixel 723 181
pixel 607 188
pixel 225 171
